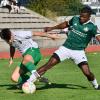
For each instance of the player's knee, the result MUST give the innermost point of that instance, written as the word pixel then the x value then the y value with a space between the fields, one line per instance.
pixel 14 78
pixel 84 63
pixel 27 58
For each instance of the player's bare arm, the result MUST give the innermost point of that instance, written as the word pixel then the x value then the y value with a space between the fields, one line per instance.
pixel 59 26
pixel 49 35
pixel 12 52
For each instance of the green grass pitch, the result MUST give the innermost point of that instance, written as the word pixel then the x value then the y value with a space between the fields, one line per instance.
pixel 68 82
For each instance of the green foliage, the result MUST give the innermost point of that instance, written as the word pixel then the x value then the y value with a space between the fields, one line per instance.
pixel 39 6
pixel 58 7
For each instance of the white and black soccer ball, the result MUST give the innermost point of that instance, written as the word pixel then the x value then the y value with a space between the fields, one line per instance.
pixel 28 88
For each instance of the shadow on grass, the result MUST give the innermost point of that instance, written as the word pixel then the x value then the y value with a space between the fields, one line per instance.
pixel 12 87
pixel 46 86
pixel 55 85
pixel 9 86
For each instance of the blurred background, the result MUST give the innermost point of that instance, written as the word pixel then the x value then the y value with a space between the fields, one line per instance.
pixel 36 14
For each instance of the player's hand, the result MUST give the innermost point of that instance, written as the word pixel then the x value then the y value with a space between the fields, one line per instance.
pixel 46 29
pixel 10 62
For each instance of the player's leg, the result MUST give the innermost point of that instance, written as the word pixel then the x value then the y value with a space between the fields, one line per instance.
pixel 81 60
pixel 15 75
pixel 59 55
pixel 31 63
pixel 52 61
pixel 28 64
pixel 37 74
pixel 31 58
pixel 19 74
pixel 90 76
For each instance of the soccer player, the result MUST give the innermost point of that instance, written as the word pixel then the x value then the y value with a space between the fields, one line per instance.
pixel 22 40
pixel 81 30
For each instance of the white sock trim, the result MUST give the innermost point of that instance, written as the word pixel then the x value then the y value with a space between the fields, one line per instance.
pixel 94 83
pixel 33 76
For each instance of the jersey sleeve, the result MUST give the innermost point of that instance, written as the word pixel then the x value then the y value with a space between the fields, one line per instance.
pixel 27 34
pixel 70 22
pixel 23 34
pixel 94 30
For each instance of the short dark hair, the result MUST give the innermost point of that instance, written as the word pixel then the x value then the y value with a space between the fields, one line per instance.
pixel 5 34
pixel 86 9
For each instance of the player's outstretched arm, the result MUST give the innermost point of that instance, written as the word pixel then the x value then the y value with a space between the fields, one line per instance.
pixel 53 36
pixel 59 26
pixel 49 35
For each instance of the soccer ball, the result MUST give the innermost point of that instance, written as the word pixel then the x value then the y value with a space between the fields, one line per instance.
pixel 28 88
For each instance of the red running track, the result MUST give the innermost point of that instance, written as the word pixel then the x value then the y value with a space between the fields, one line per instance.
pixel 49 51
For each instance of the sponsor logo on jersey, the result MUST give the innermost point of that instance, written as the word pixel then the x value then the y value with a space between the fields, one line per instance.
pixel 79 33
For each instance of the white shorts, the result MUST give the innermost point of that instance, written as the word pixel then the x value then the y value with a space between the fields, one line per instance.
pixel 77 55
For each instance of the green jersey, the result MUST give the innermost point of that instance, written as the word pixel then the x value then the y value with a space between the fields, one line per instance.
pixel 79 35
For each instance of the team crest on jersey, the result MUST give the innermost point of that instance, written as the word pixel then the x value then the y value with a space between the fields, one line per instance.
pixel 75 24
pixel 86 29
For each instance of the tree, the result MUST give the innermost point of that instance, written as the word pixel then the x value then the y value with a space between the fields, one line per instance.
pixel 38 6
pixel 58 7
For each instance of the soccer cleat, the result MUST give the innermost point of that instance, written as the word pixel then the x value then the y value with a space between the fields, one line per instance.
pixel 98 87
pixel 44 80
